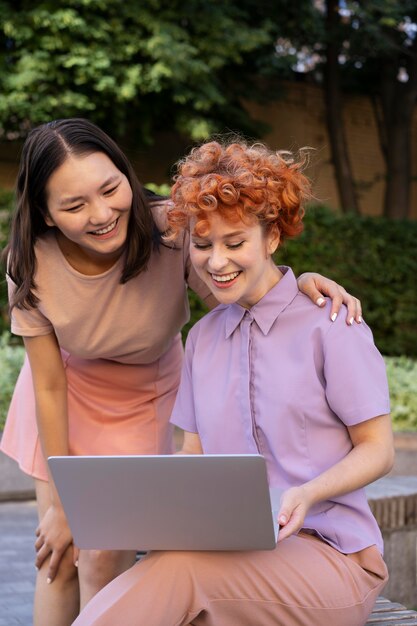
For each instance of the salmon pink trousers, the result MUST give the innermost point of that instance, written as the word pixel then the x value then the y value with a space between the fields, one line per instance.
pixel 302 582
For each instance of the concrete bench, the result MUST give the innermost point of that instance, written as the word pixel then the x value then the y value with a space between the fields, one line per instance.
pixel 386 613
pixel 393 501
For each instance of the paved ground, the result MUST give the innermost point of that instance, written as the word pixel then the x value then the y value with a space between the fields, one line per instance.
pixel 17 571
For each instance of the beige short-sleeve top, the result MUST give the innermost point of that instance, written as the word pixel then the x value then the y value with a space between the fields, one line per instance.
pixel 96 317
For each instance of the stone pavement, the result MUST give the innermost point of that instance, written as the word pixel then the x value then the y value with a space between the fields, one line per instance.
pixel 18 521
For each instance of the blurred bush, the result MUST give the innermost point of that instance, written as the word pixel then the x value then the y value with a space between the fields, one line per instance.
pixel 402 377
pixel 6 204
pixel 375 259
pixel 11 359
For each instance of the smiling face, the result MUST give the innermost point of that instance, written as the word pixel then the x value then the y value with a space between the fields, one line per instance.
pixel 234 260
pixel 89 201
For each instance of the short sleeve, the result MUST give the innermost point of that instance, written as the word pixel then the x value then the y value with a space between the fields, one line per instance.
pixel 27 322
pixel 183 413
pixel 355 374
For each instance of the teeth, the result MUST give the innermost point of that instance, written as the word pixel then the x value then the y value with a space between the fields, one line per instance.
pixel 224 277
pixel 103 231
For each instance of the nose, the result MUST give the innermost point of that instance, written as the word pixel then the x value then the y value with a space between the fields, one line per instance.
pixel 218 259
pixel 100 212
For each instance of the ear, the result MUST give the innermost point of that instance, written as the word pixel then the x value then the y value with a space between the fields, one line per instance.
pixel 48 220
pixel 273 239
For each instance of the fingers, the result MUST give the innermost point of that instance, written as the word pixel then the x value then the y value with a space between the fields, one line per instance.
pixel 75 555
pixel 293 509
pixel 337 301
pixel 354 310
pixel 55 559
pixel 290 523
pixel 316 296
pixel 353 305
pixel 39 542
pixel 53 567
pixel 42 553
pixel 316 287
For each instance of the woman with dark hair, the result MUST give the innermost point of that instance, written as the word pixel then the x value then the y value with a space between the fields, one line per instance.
pixel 99 299
pixel 266 373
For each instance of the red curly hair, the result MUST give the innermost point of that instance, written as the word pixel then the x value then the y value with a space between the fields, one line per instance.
pixel 242 182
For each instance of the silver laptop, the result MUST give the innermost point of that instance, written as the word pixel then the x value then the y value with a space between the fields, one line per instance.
pixel 177 502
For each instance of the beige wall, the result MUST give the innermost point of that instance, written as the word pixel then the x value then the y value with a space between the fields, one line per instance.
pixel 297 120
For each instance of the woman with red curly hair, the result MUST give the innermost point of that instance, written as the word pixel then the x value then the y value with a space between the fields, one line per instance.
pixel 266 373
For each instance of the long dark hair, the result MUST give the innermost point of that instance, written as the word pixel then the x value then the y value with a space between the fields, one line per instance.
pixel 45 149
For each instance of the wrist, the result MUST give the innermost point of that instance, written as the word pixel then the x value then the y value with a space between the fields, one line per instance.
pixel 311 493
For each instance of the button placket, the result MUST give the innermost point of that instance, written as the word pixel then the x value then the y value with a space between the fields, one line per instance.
pixel 245 363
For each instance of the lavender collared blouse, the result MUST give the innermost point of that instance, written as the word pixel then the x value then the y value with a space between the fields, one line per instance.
pixel 284 381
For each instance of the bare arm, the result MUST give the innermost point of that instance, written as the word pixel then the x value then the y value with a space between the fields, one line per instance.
pixel 371 457
pixel 50 387
pixel 191 444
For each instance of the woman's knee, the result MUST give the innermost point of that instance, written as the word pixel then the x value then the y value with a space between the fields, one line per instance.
pixel 98 567
pixel 67 572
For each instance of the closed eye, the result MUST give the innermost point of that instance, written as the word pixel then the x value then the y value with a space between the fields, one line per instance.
pixel 234 246
pixel 201 246
pixel 108 192
pixel 73 208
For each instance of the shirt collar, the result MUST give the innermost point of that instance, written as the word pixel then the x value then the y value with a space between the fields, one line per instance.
pixel 267 310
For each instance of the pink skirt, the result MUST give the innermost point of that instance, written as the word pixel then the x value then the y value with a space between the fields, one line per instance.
pixel 113 408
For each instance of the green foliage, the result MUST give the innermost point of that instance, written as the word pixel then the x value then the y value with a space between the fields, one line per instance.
pixel 402 378
pixel 374 259
pixel 162 190
pixel 132 67
pixel 197 310
pixel 6 204
pixel 11 359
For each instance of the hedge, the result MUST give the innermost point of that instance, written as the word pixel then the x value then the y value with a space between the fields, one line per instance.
pixel 373 258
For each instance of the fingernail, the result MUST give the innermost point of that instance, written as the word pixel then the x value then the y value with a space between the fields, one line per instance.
pixel 350 322
pixel 282 519
pixel 360 319
pixel 320 301
pixel 333 317
pixel 48 580
pixel 76 563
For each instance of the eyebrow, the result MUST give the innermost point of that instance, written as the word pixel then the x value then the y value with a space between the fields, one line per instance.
pixel 235 233
pixel 72 199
